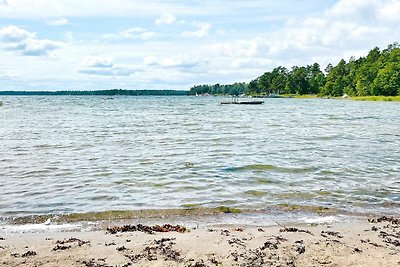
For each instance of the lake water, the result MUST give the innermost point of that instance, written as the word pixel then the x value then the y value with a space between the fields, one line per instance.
pixel 68 154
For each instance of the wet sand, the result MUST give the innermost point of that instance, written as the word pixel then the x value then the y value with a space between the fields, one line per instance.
pixel 364 243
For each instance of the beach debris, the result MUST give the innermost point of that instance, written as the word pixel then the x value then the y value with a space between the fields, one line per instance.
pixel 199 263
pixel 110 244
pixel 169 228
pixel 128 240
pixel 212 259
pixel 236 241
pixel 163 240
pixel 324 261
pixel 384 219
pixel 147 229
pixel 357 250
pixel 239 229
pixel 280 239
pixel 61 247
pixel 121 248
pixel 2 238
pixel 367 241
pixel 29 254
pixel 211 230
pixel 260 230
pixel 225 232
pixel 374 228
pixel 331 233
pixel 72 240
pixel 162 247
pixel 270 245
pixel 299 246
pixel 391 241
pixel 384 234
pixel 293 230
pixel 251 257
pixel 94 263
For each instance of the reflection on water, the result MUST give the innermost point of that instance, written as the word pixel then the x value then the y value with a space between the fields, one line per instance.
pixel 76 154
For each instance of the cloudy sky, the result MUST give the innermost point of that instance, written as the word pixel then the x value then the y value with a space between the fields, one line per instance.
pixel 174 44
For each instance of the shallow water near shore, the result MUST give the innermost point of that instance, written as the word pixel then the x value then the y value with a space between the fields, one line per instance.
pixel 66 154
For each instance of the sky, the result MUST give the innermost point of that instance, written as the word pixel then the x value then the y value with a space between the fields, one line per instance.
pixel 175 44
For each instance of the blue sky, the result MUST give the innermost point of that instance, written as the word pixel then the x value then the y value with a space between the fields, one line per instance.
pixel 174 44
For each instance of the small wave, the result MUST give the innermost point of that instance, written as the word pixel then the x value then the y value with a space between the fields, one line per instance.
pixel 273 168
pixel 256 193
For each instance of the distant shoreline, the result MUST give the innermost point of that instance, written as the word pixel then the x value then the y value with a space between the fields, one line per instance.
pixel 110 92
pixel 123 92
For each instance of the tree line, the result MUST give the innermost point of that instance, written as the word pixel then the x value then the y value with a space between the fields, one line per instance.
pixel 378 73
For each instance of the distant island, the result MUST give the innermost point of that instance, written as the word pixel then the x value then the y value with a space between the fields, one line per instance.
pixel 111 92
pixel 377 74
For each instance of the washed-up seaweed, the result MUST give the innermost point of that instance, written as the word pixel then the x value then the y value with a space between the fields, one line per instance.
pixel 331 233
pixel 384 234
pixel 94 263
pixel 146 229
pixel 110 244
pixel 24 255
pixel 299 247
pixel 199 263
pixel 270 245
pixel 294 230
pixel 392 241
pixel 236 241
pixel 72 240
pixel 367 241
pixel 61 247
pixel 161 248
pixel 225 232
pixel 121 248
pixel 384 219
pixel 29 254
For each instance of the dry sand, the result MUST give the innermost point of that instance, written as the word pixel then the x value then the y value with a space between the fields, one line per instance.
pixel 345 244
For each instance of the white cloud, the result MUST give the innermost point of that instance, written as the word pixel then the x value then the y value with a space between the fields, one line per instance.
pixel 14 34
pixel 91 8
pixel 58 22
pixel 350 27
pixel 98 62
pixel 165 19
pixel 232 44
pixel 132 33
pixel 390 11
pixel 241 48
pixel 104 66
pixel 201 32
pixel 18 39
pixel 172 62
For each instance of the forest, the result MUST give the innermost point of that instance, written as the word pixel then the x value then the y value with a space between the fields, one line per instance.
pixel 377 74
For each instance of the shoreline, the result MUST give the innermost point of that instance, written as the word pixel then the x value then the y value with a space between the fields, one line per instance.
pixel 363 242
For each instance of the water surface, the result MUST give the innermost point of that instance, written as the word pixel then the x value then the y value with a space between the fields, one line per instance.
pixel 68 154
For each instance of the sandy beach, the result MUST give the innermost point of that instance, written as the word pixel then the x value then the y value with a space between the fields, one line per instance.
pixel 373 242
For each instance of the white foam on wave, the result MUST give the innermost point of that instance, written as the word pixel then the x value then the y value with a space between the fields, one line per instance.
pixel 39 228
pixel 320 219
